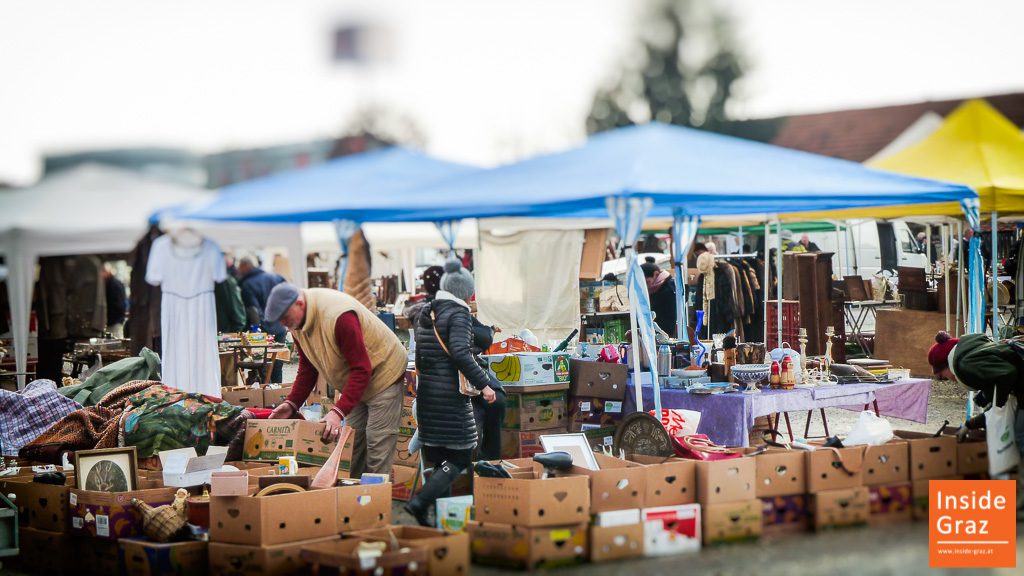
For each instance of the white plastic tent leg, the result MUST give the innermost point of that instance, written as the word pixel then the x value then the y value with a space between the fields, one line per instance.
pixel 958 242
pixel 778 279
pixel 995 275
pixel 765 286
pixel 634 349
pixel 21 264
pixel 944 234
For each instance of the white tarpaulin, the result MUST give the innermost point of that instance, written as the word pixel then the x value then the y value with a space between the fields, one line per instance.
pixel 530 280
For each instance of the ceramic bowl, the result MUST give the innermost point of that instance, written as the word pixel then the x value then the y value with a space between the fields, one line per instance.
pixel 752 373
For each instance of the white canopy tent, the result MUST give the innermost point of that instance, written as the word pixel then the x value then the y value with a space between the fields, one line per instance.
pixel 96 209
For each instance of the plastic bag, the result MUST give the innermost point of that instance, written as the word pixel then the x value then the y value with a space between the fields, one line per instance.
pixel 679 422
pixel 870 430
pixel 1003 454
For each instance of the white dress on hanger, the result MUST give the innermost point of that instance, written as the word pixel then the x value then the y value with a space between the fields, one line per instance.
pixel 188 313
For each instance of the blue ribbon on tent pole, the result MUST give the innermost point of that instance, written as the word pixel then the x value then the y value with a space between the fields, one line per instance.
pixel 684 231
pixel 975 267
pixel 345 229
pixel 449 230
pixel 628 215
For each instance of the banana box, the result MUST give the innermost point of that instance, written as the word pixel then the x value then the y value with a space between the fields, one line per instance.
pixel 529 368
pixel 541 408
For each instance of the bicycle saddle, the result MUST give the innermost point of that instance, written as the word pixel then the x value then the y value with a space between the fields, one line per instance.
pixel 561 461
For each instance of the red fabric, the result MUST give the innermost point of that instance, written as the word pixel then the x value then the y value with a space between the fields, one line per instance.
pixel 349 336
pixel 264 413
pixel 938 354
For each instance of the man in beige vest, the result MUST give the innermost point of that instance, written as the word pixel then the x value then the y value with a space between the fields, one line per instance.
pixel 358 355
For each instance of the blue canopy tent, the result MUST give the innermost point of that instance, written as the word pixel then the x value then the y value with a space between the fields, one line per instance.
pixel 347 191
pixel 629 173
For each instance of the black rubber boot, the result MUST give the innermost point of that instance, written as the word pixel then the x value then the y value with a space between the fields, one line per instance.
pixel 439 485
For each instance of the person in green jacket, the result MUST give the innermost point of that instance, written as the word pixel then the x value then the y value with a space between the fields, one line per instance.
pixel 995 370
pixel 230 310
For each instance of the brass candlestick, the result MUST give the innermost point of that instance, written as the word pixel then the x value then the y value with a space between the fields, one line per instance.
pixel 804 379
pixel 829 333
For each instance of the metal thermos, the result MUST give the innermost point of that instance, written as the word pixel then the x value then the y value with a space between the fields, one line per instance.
pixel 664 360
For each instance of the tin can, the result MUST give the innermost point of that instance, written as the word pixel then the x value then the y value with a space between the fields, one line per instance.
pixel 287 466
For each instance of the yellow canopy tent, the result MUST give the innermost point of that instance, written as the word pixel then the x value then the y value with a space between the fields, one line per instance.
pixel 976 146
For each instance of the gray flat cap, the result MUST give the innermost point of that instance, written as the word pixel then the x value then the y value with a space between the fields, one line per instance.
pixel 281 298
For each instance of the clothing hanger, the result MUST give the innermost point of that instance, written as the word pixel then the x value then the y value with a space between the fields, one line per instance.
pixel 185 237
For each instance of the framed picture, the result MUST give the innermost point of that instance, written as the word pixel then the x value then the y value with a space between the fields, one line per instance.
pixel 106 470
pixel 576 445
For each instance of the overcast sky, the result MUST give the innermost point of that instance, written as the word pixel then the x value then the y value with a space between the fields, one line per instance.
pixel 487 80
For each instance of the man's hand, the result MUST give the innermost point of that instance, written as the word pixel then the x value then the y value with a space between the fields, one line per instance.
pixel 489 395
pixel 283 412
pixel 333 426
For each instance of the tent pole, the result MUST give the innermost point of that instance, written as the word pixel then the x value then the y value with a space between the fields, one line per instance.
pixel 995 275
pixel 851 257
pixel 944 235
pixel 741 239
pixel 839 253
pixel 778 279
pixel 766 287
pixel 634 347
pixel 959 276
pixel 928 244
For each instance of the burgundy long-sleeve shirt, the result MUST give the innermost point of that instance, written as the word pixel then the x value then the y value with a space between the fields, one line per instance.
pixel 349 336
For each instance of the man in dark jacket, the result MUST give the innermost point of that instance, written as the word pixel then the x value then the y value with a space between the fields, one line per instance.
pixel 995 369
pixel 256 285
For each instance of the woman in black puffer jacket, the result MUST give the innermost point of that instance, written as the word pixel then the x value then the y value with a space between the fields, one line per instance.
pixel 444 415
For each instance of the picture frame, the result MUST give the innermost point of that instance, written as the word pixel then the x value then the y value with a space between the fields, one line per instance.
pixel 107 469
pixel 575 444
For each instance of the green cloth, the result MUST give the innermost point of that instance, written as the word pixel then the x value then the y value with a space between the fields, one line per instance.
pixel 164 418
pixel 994 368
pixel 230 310
pixel 145 366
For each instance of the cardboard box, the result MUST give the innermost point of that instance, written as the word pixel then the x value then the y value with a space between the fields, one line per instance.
pixel 780 473
pixel 95 557
pixel 279 560
pixel 609 543
pixel 231 483
pixel 542 409
pixel 919 496
pixel 671 530
pixel 274 397
pixel 723 481
pixel 447 553
pixel 827 470
pixel 890 504
pixel 529 368
pixel 402 455
pixel 407 420
pixel 184 467
pixel 617 518
pixel 244 397
pixel 784 514
pixel 404 482
pixel 43 552
pixel 597 379
pixel 519 444
pixel 142 558
pixel 840 508
pixel 453 514
pixel 341 557
pixel 930 457
pixel 732 521
pixel 618 485
pixel 268 440
pixel 886 464
pixel 596 411
pixel 670 482
pixel 528 548
pixel 362 507
pixel 599 438
pixel 274 520
pixel 111 515
pixel 972 457
pixel 531 502
pixel 40 506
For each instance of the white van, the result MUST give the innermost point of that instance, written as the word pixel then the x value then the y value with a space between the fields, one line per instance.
pixel 867 246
